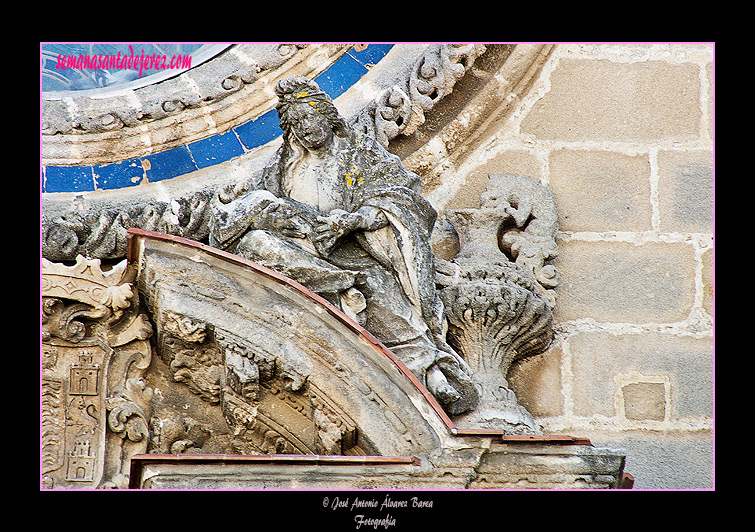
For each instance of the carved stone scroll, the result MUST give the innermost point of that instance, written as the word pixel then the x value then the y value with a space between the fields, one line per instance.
pixel 95 349
pixel 400 109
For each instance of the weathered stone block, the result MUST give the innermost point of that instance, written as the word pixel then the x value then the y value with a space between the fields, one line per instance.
pixel 684 361
pixel 601 191
pixel 607 101
pixel 511 161
pixel 685 191
pixel 566 467
pixel 536 381
pixel 623 282
pixel 645 400
pixel 708 279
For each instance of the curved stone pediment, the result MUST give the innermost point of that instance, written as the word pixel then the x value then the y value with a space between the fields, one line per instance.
pixel 290 373
pixel 255 383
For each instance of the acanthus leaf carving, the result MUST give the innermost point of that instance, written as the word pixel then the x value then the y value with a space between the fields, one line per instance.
pixel 126 409
pixel 400 109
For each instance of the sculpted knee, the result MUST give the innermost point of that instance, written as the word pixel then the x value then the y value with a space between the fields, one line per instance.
pixel 254 243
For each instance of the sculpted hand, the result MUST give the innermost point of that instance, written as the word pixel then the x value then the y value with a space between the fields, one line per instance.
pixel 337 224
pixel 232 191
pixel 282 217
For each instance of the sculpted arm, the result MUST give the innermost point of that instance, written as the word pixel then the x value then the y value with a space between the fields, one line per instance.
pixel 339 223
pixel 369 219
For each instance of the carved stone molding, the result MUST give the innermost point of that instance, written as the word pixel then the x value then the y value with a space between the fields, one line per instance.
pixel 482 463
pixel 284 370
pixel 263 396
pixel 95 349
pixel 226 89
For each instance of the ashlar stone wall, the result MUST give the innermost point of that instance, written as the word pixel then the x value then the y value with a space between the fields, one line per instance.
pixel 623 136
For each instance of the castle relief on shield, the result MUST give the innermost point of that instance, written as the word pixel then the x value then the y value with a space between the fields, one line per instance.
pixel 95 404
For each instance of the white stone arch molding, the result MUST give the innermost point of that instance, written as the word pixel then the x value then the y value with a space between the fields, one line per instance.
pixel 226 86
pixel 152 156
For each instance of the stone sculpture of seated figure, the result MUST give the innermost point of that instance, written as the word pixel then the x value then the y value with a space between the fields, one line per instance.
pixel 338 213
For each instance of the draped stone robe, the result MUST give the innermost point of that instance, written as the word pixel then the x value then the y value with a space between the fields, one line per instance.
pixel 392 267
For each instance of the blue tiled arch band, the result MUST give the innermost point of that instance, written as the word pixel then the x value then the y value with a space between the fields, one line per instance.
pixel 181 160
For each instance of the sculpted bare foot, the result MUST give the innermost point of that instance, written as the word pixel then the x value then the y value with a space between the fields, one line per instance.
pixel 440 388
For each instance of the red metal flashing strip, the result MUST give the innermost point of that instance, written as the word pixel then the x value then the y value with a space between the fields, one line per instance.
pixel 525 438
pixel 277 458
pixel 135 233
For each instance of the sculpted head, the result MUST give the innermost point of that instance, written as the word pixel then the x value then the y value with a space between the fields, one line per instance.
pixel 308 113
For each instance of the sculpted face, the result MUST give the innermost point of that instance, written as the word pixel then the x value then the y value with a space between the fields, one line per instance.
pixel 310 127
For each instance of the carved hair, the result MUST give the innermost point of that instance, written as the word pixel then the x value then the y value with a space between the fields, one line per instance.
pixel 297 91
pixel 293 91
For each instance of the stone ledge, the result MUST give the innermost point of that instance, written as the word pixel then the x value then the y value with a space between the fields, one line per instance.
pixel 539 465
